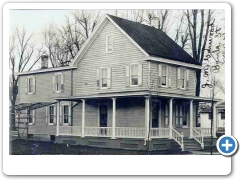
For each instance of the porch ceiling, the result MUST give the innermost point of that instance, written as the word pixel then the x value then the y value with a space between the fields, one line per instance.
pixel 137 94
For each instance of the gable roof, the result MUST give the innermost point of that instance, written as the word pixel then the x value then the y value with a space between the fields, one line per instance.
pixel 153 41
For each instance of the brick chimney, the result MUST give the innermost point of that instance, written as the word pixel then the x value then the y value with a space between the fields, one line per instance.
pixel 154 22
pixel 44 62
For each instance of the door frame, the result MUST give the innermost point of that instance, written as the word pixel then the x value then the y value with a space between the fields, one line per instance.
pixel 99 104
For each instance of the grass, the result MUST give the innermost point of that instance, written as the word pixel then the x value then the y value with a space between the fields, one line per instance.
pixel 29 147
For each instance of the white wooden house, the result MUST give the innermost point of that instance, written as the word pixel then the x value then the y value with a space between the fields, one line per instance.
pixel 129 85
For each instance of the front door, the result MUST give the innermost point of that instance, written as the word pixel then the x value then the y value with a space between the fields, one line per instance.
pixel 185 116
pixel 155 109
pixel 103 116
pixel 179 116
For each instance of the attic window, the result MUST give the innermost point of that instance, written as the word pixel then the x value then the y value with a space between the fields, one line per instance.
pixel 109 44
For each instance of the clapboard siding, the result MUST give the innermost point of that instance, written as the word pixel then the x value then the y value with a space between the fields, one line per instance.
pixel 40 126
pixel 124 53
pixel 44 87
pixel 154 81
pixel 130 112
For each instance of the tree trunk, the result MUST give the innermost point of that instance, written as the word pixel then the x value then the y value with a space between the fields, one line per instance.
pixel 198 82
pixel 12 115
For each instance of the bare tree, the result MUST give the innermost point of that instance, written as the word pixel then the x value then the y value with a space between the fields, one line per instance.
pixel 182 34
pixel 198 38
pixel 21 53
pixel 62 43
pixel 87 21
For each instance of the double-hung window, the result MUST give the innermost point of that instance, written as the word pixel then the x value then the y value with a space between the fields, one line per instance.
pixel 51 114
pixel 65 114
pixel 30 85
pixel 134 74
pixel 163 75
pixel 58 84
pixel 103 77
pixel 182 78
pixel 31 117
pixel 109 44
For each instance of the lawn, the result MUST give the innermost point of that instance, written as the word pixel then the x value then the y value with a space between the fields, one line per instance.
pixel 24 147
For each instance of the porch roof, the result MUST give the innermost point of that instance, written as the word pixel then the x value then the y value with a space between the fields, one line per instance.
pixel 32 106
pixel 137 94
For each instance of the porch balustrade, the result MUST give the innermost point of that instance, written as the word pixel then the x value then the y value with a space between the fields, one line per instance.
pixel 120 132
pixel 205 131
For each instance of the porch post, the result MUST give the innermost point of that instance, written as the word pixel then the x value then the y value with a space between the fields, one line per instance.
pixel 147 116
pixel 191 119
pixel 113 118
pixel 83 117
pixel 58 118
pixel 170 117
pixel 214 120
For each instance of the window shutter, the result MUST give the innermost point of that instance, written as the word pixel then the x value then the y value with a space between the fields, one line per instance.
pixel 169 76
pixel 187 78
pixel 26 87
pixel 140 66
pixel 178 77
pixel 109 77
pixel 54 82
pixel 70 114
pixel 55 113
pixel 34 85
pixel 98 78
pixel 61 115
pixel 47 114
pixel 33 117
pixel 62 82
pixel 127 76
pixel 159 74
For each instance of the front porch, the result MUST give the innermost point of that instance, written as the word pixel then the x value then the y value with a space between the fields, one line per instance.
pixel 143 117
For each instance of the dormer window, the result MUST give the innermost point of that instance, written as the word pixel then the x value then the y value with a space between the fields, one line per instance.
pixel 109 44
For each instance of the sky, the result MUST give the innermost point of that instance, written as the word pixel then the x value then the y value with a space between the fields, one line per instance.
pixel 34 21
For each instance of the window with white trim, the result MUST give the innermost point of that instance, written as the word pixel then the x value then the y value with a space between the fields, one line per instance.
pixel 31 117
pixel 58 82
pixel 109 44
pixel 103 77
pixel 134 74
pixel 65 114
pixel 30 85
pixel 51 114
pixel 181 78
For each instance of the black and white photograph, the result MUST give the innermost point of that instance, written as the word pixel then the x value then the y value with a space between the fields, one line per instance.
pixel 117 81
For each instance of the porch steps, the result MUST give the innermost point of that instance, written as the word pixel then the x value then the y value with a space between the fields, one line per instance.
pixel 185 131
pixel 191 144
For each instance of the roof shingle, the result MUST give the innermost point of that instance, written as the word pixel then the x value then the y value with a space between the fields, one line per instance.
pixel 154 41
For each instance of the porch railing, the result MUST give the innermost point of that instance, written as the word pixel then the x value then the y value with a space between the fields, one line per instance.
pixel 204 131
pixel 159 133
pixel 98 131
pixel 129 132
pixel 198 137
pixel 120 132
pixel 178 138
pixel 70 130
